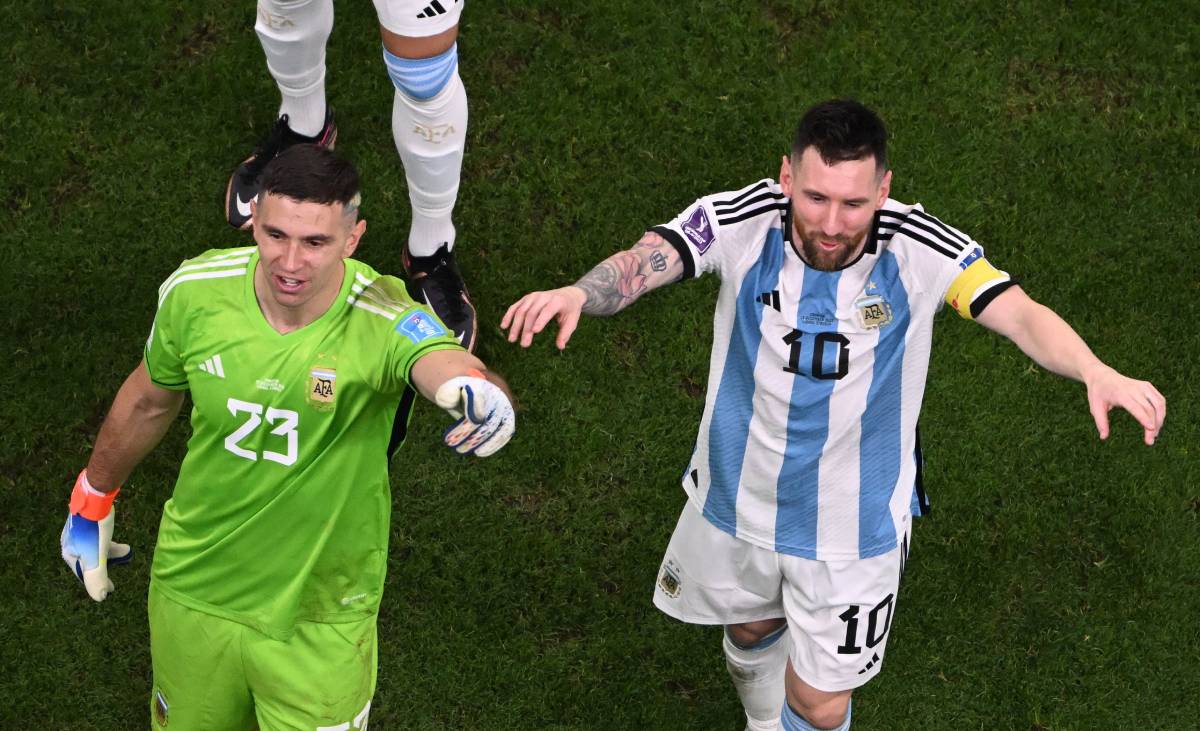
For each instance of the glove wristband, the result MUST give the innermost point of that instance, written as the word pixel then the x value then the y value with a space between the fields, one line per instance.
pixel 476 373
pixel 91 504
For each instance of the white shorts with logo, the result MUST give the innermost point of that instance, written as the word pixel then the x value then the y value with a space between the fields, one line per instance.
pixel 418 18
pixel 838 612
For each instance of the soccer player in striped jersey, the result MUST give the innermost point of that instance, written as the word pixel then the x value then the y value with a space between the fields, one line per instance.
pixel 302 365
pixel 807 467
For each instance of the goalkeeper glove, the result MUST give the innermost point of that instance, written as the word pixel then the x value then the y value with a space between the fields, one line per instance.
pixel 86 539
pixel 486 419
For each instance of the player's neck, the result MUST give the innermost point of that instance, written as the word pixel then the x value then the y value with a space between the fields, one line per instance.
pixel 284 318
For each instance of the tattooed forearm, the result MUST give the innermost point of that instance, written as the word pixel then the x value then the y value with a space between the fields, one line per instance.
pixel 623 277
pixel 613 284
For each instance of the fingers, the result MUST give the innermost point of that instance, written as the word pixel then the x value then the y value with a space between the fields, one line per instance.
pixel 119 554
pixel 530 315
pixel 97 583
pixel 566 327
pixel 1099 411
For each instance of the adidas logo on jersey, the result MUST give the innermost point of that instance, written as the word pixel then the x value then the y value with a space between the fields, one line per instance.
pixel 433 9
pixel 770 299
pixel 213 366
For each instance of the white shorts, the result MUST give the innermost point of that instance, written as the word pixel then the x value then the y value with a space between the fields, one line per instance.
pixel 418 18
pixel 838 612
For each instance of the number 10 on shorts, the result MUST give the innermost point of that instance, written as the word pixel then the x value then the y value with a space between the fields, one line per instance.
pixel 876 630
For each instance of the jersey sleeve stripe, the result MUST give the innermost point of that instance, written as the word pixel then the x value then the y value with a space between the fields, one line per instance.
pixel 746 192
pixel 199 267
pixel 685 253
pixel 956 235
pixel 727 208
pixel 198 275
pixel 912 225
pixel 912 234
pixel 752 214
pixel 371 308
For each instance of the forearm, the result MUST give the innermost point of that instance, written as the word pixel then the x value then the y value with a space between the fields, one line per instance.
pixel 432 370
pixel 622 278
pixel 1053 344
pixel 135 424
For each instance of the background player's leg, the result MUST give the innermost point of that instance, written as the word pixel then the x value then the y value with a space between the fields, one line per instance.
pixel 756 654
pixel 293 35
pixel 429 125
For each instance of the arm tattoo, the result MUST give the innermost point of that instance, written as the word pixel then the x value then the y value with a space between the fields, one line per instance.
pixel 623 277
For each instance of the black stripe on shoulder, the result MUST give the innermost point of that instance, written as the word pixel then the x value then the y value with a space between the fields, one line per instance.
pixel 752 213
pixel 939 248
pixel 727 208
pixel 985 299
pixel 676 241
pixel 761 185
pixel 913 224
pixel 948 232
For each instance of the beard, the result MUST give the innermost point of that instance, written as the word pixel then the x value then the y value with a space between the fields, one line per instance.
pixel 820 259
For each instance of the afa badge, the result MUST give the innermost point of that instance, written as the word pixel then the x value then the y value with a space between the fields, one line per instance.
pixel 668 579
pixel 873 311
pixel 322 388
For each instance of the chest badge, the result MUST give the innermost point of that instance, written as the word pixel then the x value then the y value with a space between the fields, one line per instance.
pixel 873 311
pixel 322 388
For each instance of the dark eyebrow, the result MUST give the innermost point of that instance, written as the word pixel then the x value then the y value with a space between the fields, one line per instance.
pixel 819 194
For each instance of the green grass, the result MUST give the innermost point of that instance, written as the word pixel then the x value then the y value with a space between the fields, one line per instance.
pixel 1055 586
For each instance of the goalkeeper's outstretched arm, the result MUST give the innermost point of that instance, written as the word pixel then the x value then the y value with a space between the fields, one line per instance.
pixel 610 287
pixel 140 415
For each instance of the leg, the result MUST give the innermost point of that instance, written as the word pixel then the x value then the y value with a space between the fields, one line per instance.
pixel 198 681
pixel 293 35
pixel 710 577
pixel 429 126
pixel 839 615
pixel 755 656
pixel 322 678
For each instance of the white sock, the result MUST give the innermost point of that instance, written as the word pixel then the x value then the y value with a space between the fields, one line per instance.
pixel 757 673
pixel 430 136
pixel 293 35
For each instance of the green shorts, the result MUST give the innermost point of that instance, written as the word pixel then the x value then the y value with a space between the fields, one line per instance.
pixel 213 674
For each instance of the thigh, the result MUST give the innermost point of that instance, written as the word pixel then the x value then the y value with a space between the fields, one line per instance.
pixel 198 675
pixel 709 577
pixel 418 18
pixel 839 615
pixel 322 678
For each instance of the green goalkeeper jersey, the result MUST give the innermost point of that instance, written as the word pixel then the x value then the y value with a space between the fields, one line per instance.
pixel 280 513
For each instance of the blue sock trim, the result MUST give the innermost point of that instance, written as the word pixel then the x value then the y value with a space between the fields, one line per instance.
pixel 789 720
pixel 422 78
pixel 762 644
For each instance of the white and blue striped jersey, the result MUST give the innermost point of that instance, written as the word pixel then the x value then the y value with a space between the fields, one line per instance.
pixel 808 442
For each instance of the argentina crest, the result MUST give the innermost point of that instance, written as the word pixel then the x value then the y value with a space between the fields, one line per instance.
pixel 322 388
pixel 873 311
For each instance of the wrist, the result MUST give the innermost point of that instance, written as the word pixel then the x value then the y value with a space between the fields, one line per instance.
pixel 1090 372
pixel 89 502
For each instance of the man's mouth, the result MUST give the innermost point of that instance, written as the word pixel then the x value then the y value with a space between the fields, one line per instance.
pixel 288 284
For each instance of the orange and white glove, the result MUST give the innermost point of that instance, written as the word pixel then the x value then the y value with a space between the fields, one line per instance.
pixel 486 419
pixel 86 539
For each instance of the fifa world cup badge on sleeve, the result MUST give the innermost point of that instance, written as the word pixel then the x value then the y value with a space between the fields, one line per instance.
pixel 698 228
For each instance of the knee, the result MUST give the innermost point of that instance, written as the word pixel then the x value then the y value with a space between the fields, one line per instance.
pixel 422 78
pixel 749 634
pixel 820 709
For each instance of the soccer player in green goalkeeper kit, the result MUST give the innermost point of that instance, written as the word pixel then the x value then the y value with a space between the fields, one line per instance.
pixel 303 365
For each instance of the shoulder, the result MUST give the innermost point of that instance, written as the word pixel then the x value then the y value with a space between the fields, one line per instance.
pixel 376 297
pixel 906 228
pixel 213 268
pixel 762 198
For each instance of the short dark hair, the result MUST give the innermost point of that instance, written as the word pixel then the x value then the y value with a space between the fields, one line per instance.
pixel 312 173
pixel 841 130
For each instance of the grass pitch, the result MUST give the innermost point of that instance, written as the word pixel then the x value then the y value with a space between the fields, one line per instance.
pixel 1054 587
